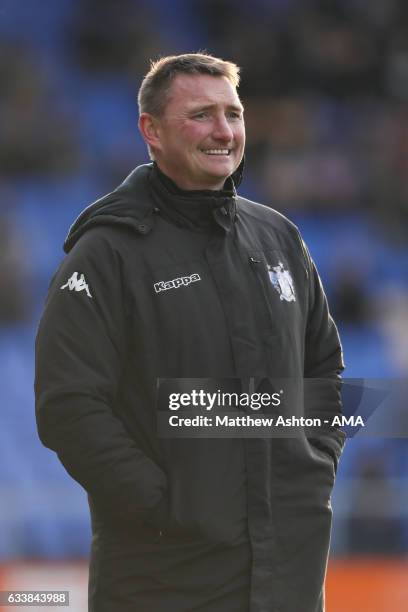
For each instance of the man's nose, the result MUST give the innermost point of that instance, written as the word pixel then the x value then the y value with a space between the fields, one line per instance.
pixel 222 129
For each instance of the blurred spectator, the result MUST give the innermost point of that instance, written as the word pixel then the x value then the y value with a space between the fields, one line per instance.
pixel 396 68
pixel 349 297
pixel 35 135
pixel 304 167
pixel 393 317
pixel 389 171
pixel 108 39
pixel 262 48
pixel 338 54
pixel 15 305
pixel 375 526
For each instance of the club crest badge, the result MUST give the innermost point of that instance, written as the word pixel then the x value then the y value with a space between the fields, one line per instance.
pixel 282 281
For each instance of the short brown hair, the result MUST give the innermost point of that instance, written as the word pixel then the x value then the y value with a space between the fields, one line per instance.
pixel 153 92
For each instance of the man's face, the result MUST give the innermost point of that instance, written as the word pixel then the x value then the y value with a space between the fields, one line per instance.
pixel 201 135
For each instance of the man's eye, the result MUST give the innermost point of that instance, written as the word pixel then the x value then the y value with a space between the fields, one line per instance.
pixel 202 115
pixel 234 115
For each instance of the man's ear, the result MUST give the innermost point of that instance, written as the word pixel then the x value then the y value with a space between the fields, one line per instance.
pixel 149 129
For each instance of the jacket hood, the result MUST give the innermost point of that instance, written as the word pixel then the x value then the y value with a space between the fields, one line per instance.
pixel 120 207
pixel 129 204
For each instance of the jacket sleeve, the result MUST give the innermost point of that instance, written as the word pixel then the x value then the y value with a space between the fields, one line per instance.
pixel 323 366
pixel 80 349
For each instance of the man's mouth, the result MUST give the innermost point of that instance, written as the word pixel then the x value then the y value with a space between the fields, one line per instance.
pixel 216 151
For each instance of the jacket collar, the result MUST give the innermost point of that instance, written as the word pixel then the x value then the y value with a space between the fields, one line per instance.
pixel 198 210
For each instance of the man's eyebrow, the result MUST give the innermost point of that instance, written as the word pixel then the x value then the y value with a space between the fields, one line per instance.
pixel 203 107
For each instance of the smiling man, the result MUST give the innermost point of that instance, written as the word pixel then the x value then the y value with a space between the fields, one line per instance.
pixel 174 276
pixel 198 134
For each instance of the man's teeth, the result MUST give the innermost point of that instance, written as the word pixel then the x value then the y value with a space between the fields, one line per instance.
pixel 216 151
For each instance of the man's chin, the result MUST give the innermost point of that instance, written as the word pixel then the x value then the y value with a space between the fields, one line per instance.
pixel 217 182
pixel 220 174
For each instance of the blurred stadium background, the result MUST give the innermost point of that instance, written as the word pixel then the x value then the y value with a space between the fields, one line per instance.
pixel 325 85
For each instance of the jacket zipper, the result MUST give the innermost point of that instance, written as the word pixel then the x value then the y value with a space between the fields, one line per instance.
pixel 258 266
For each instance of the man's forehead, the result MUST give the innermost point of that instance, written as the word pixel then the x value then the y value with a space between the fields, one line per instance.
pixel 203 90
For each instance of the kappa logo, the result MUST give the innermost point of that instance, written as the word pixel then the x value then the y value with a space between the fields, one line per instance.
pixel 282 281
pixel 77 283
pixel 182 281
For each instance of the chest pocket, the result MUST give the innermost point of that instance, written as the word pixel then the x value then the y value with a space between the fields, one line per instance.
pixel 283 287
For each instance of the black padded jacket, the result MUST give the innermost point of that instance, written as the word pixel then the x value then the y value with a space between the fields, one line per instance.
pixel 233 524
